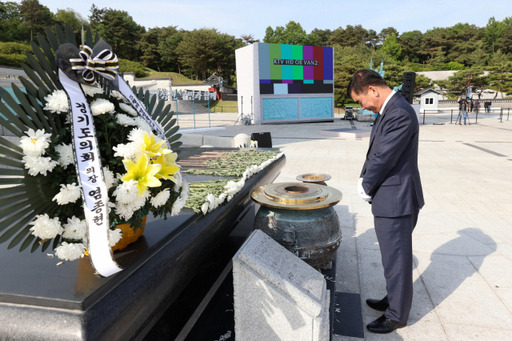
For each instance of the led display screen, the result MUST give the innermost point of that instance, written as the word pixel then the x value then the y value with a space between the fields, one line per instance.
pixel 295 69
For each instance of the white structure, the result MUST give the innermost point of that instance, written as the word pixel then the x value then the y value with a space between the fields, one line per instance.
pixel 429 101
pixel 164 88
pixel 281 83
pixel 277 296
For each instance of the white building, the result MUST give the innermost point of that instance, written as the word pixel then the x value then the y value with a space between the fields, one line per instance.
pixel 429 101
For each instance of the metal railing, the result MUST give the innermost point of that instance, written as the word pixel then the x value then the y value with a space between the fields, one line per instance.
pixel 451 116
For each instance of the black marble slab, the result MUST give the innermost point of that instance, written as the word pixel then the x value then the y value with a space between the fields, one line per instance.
pixel 43 301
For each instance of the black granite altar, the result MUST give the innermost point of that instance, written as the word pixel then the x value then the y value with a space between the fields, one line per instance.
pixel 41 300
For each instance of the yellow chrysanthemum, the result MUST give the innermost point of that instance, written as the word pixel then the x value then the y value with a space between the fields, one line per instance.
pixel 169 166
pixel 153 148
pixel 143 172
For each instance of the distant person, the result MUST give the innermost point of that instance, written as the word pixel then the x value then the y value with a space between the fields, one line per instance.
pixel 477 106
pixel 463 111
pixel 390 181
pixel 487 106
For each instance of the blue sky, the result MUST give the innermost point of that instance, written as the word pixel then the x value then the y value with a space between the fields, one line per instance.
pixel 239 17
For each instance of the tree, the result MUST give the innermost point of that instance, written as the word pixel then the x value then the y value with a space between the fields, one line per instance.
pixel 350 36
pixel 347 60
pixel 462 41
pixel 505 42
pixel 323 35
pixel 434 46
pixel 226 65
pixel 385 32
pixel 206 51
pixel 149 49
pixel 36 16
pixel 391 47
pixel 372 39
pixel 293 33
pixel 463 79
pixel 249 39
pixel 169 39
pixel 422 83
pixel 411 44
pixel 500 73
pixel 11 27
pixel 69 16
pixel 96 16
pixel 72 18
pixel 118 29
pixel 493 32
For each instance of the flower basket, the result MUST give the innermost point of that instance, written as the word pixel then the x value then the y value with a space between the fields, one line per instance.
pixel 87 153
pixel 130 234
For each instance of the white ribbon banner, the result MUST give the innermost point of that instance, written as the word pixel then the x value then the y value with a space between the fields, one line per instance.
pixel 124 89
pixel 90 174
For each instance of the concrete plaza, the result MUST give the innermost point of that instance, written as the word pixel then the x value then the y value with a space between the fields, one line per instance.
pixel 462 242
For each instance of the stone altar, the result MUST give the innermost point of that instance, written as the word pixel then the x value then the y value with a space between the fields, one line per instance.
pixel 40 300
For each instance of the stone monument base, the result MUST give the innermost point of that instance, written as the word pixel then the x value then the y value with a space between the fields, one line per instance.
pixel 277 296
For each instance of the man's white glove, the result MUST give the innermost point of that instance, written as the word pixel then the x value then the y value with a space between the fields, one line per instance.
pixel 361 191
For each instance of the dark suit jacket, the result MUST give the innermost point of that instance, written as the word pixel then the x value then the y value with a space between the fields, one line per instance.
pixel 390 173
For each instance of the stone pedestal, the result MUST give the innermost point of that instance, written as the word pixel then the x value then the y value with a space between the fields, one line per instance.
pixel 277 296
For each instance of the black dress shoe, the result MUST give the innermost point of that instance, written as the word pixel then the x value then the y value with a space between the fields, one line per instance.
pixel 380 305
pixel 383 325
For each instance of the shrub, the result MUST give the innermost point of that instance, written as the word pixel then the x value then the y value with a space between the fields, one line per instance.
pixel 14 48
pixel 15 59
pixel 130 66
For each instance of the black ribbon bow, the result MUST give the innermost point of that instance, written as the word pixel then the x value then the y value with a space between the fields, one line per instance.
pixel 85 64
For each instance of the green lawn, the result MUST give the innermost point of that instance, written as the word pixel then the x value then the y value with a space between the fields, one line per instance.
pixel 176 77
pixel 224 106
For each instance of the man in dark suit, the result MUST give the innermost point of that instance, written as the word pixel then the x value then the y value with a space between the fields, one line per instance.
pixel 390 181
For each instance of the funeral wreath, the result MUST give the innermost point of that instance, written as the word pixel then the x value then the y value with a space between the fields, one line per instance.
pixel 86 151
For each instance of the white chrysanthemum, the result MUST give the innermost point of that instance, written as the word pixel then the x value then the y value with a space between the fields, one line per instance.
pixel 65 154
pixel 68 193
pixel 117 95
pixel 232 187
pixel 182 199
pixel 35 143
pixel 39 165
pixel 125 120
pixel 126 210
pixel 91 91
pixel 70 251
pixel 74 229
pixel 178 181
pixel 45 227
pixel 102 106
pixel 110 179
pixel 128 109
pixel 142 124
pixel 211 203
pixel 137 135
pixel 253 169
pixel 161 198
pixel 127 192
pixel 222 197
pixel 57 102
pixel 114 236
pixel 204 208
pixel 131 151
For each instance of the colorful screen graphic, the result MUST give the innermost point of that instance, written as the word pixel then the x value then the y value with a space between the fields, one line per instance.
pixel 295 69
